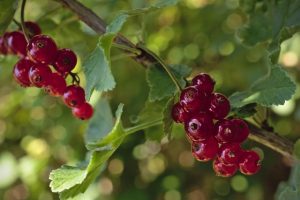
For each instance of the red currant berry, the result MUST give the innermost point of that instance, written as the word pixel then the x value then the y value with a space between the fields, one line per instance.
pixel 84 111
pixel 193 100
pixel 65 61
pixel 230 153
pixel 56 85
pixel 33 28
pixel 16 42
pixel 74 96
pixel 241 130
pixel 179 115
pixel 250 163
pixel 21 70
pixel 206 150
pixel 224 170
pixel 3 47
pixel 42 49
pixel 219 106
pixel 39 75
pixel 225 131
pixel 199 127
pixel 204 83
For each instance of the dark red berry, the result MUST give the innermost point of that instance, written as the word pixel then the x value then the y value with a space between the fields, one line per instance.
pixel 33 28
pixel 16 42
pixel 205 150
pixel 21 70
pixel 42 49
pixel 194 100
pixel 224 170
pixel 3 47
pixel 204 83
pixel 39 75
pixel 241 130
pixel 219 106
pixel 56 85
pixel 74 96
pixel 199 127
pixel 65 61
pixel 179 115
pixel 84 111
pixel 230 153
pixel 225 131
pixel 250 163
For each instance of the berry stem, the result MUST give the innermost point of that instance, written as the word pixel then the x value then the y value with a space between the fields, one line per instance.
pixel 23 21
pixel 136 52
pixel 17 23
pixel 142 126
pixel 163 64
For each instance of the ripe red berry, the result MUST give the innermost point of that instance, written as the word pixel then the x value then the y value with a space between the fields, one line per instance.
pixel 224 170
pixel 65 61
pixel 39 75
pixel 179 115
pixel 42 49
pixel 194 100
pixel 199 127
pixel 21 70
pixel 206 150
pixel 241 130
pixel 56 85
pixel 230 153
pixel 16 42
pixel 204 83
pixel 219 106
pixel 74 96
pixel 84 111
pixel 3 47
pixel 225 131
pixel 250 163
pixel 33 28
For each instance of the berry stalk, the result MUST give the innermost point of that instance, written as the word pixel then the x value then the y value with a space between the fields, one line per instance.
pixel 23 21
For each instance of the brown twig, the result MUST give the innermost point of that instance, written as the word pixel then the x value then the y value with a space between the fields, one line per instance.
pixel 267 138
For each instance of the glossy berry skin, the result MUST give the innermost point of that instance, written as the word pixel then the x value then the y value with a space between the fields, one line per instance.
pixel 224 170
pixel 230 153
pixel 42 48
pixel 16 43
pixel 33 28
pixel 241 130
pixel 206 150
pixel 39 75
pixel 21 70
pixel 178 113
pixel 193 100
pixel 74 96
pixel 219 106
pixel 225 131
pixel 250 163
pixel 204 83
pixel 3 47
pixel 65 61
pixel 84 111
pixel 56 85
pixel 199 127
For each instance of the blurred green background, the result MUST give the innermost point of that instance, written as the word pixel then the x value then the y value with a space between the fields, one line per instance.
pixel 39 134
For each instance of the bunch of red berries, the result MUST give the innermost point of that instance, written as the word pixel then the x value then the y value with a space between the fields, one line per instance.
pixel 45 66
pixel 203 114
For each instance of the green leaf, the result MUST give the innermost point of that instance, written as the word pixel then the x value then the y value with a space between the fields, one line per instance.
pixel 167 118
pixel 97 66
pixel 161 85
pixel 273 89
pixel 72 181
pixel 7 11
pixel 280 21
pixel 297 149
pixel 245 111
pixel 290 190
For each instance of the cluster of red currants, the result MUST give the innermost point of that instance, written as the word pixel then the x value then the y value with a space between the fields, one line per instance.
pixel 43 65
pixel 213 136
